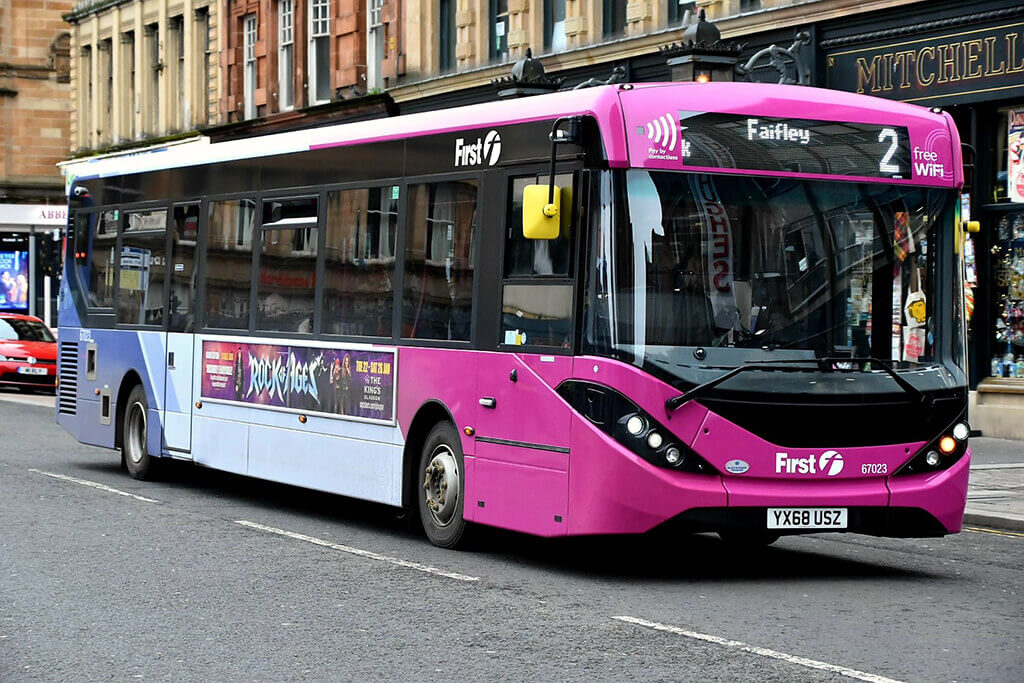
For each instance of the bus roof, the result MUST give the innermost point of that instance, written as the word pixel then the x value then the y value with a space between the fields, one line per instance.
pixel 634 121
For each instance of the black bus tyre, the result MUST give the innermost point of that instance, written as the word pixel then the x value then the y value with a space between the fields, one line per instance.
pixel 134 432
pixel 440 485
pixel 748 538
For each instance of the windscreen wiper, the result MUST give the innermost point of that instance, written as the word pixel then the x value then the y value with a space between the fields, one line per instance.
pixel 825 364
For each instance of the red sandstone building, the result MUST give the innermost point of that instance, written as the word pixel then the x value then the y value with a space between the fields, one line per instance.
pixel 34 111
pixel 289 55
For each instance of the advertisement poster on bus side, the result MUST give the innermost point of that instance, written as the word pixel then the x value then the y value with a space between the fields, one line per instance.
pixel 339 382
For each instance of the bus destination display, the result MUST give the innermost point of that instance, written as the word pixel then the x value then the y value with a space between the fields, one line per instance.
pixel 762 143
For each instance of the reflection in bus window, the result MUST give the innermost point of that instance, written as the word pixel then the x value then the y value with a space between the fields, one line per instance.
pixel 140 295
pixel 183 250
pixel 438 292
pixel 360 261
pixel 229 264
pixel 286 284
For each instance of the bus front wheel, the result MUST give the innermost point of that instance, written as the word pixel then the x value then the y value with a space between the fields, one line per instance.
pixel 134 433
pixel 442 481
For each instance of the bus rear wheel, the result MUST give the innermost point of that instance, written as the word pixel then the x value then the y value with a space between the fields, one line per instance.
pixel 442 481
pixel 134 434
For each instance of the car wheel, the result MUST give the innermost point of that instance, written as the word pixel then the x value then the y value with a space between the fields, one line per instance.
pixel 443 479
pixel 134 433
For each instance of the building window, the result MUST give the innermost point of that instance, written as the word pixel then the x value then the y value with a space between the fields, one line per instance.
pixel 202 115
pixel 128 67
pixel 750 5
pixel 176 72
pixel 499 30
pixel 374 46
pixel 319 51
pixel 106 126
pixel 554 25
pixel 677 10
pixel 614 17
pixel 155 67
pixel 85 112
pixel 446 36
pixel 285 55
pixel 249 52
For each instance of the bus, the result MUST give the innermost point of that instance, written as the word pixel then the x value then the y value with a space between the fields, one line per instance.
pixel 720 307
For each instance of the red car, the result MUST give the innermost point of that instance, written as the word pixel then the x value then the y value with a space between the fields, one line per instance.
pixel 28 353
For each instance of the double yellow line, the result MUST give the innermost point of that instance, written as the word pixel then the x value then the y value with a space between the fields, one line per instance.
pixel 979 530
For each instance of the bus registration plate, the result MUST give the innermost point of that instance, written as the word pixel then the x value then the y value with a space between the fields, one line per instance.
pixel 806 518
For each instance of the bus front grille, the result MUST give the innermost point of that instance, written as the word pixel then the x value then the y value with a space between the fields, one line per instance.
pixel 67 389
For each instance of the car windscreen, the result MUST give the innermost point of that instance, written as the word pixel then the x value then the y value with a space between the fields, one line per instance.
pixel 15 329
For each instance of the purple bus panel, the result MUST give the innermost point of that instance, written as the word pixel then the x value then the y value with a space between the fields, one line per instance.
pixel 337 382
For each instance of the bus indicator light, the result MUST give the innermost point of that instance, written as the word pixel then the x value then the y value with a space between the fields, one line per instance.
pixel 947 444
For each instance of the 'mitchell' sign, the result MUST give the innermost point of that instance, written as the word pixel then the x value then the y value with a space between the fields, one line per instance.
pixel 982 63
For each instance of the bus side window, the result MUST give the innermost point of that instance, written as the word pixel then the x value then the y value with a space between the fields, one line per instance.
pixel 536 297
pixel 182 265
pixel 437 301
pixel 359 261
pixel 140 280
pixel 228 278
pixel 98 253
pixel 286 281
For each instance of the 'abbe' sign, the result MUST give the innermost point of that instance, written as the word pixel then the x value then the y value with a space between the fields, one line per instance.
pixel 984 63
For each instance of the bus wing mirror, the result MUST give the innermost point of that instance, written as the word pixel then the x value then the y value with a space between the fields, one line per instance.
pixel 541 219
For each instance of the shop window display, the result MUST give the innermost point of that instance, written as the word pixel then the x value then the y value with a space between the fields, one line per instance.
pixel 1008 281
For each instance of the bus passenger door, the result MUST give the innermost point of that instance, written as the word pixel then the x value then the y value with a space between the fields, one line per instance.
pixel 521 468
pixel 178 396
pixel 520 477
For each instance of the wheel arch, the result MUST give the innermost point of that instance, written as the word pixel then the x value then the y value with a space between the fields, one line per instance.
pixel 130 379
pixel 429 414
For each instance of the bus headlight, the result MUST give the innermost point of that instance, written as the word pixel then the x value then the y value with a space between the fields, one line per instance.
pixel 628 424
pixel 941 453
pixel 635 425
pixel 961 431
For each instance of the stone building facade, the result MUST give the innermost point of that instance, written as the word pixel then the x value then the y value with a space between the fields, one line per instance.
pixel 142 70
pixel 448 50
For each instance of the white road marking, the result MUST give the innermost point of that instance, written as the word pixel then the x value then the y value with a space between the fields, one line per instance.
pixel 93 484
pixel 764 652
pixel 357 551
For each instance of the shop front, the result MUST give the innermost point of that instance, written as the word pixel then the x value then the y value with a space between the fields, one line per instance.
pixel 31 236
pixel 966 58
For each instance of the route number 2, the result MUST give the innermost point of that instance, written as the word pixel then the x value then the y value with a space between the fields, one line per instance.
pixel 885 165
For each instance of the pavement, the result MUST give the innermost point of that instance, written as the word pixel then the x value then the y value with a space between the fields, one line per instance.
pixel 995 496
